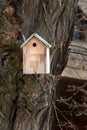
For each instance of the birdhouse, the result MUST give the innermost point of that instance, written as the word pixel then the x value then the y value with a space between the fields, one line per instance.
pixel 36 55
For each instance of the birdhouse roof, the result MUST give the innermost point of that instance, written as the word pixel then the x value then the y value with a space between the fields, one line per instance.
pixel 39 38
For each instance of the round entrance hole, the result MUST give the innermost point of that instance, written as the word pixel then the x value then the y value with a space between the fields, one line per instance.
pixel 34 44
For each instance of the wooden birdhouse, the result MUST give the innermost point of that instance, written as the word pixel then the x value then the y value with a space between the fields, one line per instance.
pixel 36 55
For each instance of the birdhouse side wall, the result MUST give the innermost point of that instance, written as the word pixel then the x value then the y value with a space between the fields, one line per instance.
pixel 47 60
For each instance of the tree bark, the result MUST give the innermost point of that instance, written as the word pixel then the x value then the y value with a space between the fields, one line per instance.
pixel 54 21
pixel 32 97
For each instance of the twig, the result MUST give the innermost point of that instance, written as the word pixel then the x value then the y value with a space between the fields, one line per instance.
pixel 57 116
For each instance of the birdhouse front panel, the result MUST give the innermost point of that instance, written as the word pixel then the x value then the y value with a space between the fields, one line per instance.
pixel 34 57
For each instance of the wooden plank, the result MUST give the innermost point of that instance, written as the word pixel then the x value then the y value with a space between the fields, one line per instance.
pixel 47 60
pixel 39 49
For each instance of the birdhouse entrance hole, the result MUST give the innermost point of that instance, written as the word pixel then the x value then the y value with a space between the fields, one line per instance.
pixel 34 44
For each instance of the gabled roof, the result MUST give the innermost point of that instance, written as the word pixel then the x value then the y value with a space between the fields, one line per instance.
pixel 39 38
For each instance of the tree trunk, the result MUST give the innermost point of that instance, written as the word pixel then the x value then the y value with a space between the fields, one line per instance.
pixel 29 100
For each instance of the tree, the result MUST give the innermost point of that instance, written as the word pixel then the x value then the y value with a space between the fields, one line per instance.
pixel 28 101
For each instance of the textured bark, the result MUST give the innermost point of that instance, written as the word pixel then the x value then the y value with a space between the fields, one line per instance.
pixel 54 21
pixel 32 96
